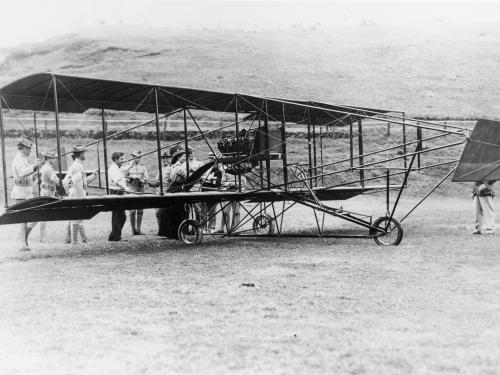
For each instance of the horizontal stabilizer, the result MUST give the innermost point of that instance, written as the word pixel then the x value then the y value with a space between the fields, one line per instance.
pixel 480 158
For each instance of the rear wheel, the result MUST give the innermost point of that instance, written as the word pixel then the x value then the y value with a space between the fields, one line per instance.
pixel 263 225
pixel 190 232
pixel 390 233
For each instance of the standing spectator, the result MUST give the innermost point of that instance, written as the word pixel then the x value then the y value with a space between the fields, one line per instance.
pixel 76 183
pixel 485 211
pixel 23 172
pixel 48 183
pixel 117 186
pixel 136 176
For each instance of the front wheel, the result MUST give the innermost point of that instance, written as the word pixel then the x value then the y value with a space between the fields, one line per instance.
pixel 190 232
pixel 388 232
pixel 263 225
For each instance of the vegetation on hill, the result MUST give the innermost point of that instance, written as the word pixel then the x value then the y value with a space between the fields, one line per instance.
pixel 449 73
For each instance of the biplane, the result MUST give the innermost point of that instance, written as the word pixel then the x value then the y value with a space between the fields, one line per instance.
pixel 255 145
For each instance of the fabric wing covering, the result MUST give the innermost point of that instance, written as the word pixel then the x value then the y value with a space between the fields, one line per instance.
pixel 78 94
pixel 480 159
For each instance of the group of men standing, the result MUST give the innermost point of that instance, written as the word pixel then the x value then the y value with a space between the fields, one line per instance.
pixel 123 178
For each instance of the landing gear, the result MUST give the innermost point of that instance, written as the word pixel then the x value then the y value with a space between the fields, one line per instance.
pixel 390 233
pixel 263 225
pixel 190 232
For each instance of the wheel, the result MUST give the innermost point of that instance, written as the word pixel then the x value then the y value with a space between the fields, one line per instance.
pixel 390 236
pixel 263 225
pixel 190 232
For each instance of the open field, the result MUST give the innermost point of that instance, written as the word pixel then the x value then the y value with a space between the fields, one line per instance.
pixel 340 306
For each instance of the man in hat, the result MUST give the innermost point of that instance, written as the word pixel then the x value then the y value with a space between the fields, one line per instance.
pixel 48 183
pixel 136 176
pixel 178 172
pixel 117 186
pixel 23 172
pixel 76 183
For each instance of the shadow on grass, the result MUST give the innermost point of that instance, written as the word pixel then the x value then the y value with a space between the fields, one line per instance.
pixel 158 245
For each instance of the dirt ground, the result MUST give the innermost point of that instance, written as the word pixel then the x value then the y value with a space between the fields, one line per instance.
pixel 232 305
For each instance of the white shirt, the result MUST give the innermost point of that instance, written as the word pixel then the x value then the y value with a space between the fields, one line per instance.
pixel 22 171
pixel 116 178
pixel 48 180
pixel 178 169
pixel 76 180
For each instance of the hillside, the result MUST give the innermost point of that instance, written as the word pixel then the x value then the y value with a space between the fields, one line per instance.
pixel 452 72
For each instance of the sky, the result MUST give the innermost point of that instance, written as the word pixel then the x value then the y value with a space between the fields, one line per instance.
pixel 29 21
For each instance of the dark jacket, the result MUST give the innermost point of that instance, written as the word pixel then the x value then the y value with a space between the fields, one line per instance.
pixel 483 189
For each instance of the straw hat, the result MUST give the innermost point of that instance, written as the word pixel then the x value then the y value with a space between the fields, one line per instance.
pixel 49 155
pixel 78 148
pixel 177 154
pixel 175 148
pixel 25 142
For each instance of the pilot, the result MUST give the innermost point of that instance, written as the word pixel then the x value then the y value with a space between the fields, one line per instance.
pixel 76 183
pixel 136 175
pixel 24 173
pixel 48 184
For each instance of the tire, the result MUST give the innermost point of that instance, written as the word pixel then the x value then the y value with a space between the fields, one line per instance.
pixel 394 233
pixel 263 225
pixel 190 232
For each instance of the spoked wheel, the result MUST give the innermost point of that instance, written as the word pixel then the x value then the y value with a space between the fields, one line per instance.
pixel 263 225
pixel 392 232
pixel 190 232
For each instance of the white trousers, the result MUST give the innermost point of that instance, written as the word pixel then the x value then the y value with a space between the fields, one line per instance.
pixel 485 213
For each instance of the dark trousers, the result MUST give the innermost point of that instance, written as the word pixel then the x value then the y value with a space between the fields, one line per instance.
pixel 118 219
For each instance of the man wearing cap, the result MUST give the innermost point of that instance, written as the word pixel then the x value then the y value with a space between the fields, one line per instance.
pixel 23 172
pixel 48 183
pixel 76 183
pixel 117 186
pixel 136 176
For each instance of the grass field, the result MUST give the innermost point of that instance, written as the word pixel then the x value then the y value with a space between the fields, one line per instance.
pixel 342 306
